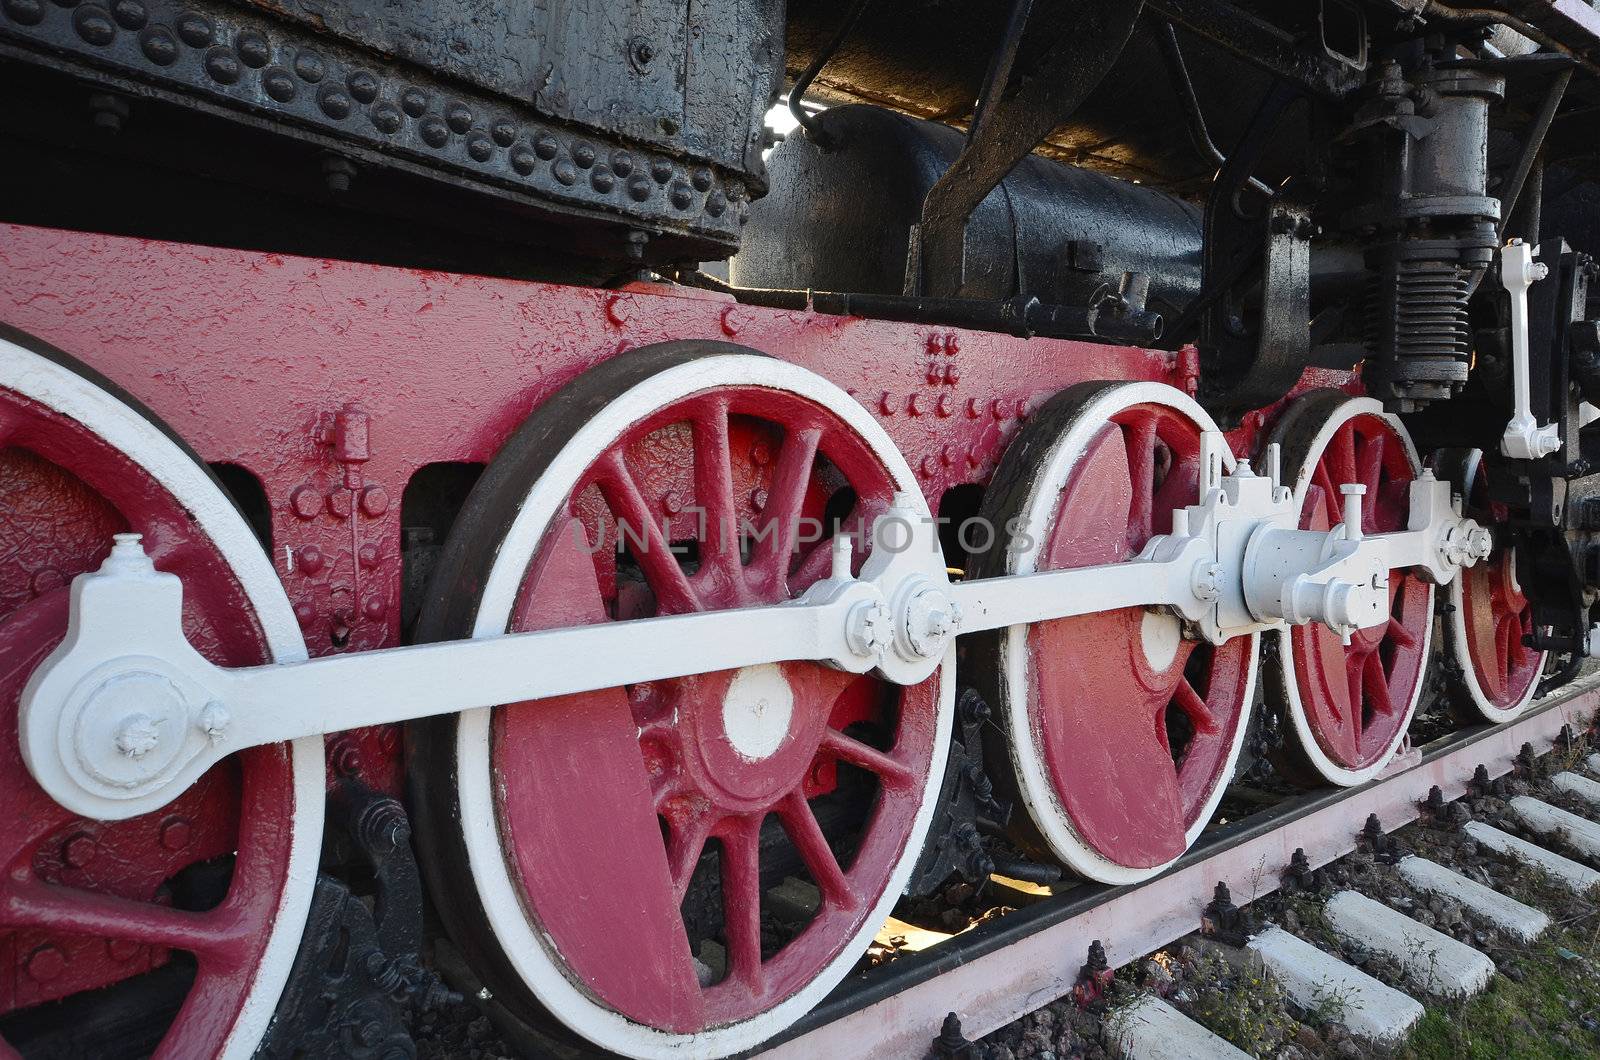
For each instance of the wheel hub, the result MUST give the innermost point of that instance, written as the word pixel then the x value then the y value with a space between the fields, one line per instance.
pixel 756 711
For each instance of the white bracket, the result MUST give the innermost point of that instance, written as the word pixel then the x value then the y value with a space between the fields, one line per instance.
pixel 1524 438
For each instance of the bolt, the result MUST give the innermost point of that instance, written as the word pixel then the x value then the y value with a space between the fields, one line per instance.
pixel 671 503
pixel 337 173
pixel 213 721
pixel 886 404
pixel 758 499
pixel 374 501
pixel 137 736
pixel 731 322
pixel 176 833
pixel 1206 582
pixel 367 555
pixel 79 850
pixel 868 629
pixel 306 501
pixel 45 963
pixel 373 608
pixel 108 112
pixel 310 559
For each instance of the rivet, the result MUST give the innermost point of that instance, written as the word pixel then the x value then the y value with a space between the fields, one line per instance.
pixel 565 172
pixel 760 455
pixel 952 345
pixel 433 131
pixel 758 499
pixel 661 170
pixel 374 501
pixel 735 190
pixel 681 195
pixel 108 111
pixel 45 963
pixel 933 374
pixel 253 48
pixel 523 159
pixel 25 12
pixel 122 950
pixel 973 459
pixel 223 65
pixel 367 555
pixel 94 25
pixel 952 374
pixel 304 613
pixel 621 163
pixel 386 117
pixel 339 503
pixel 974 408
pixel 701 178
pixel 373 608
pixel 743 212
pixel 639 189
pixel 886 404
pixel 947 455
pixel 194 29
pixel 583 154
pixel 601 180
pixel 278 84
pixel 79 850
pixel 310 559
pixel 546 146
pixel 731 322
pixel 1001 408
pixel 480 148
pixel 716 204
pixel 927 467
pixel 671 503
pixel 946 405
pixel 305 501
pixel 130 14
pixel 309 65
pixel 504 133
pixel 414 102
pixel 1022 408
pixel 458 116
pixel 176 833
pixel 914 404
pixel 617 310
pixel 363 86
pixel 335 103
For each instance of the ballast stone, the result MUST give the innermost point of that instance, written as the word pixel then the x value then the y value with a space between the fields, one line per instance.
pixel 1576 877
pixel 1150 1029
pixel 1582 833
pixel 1504 912
pixel 1316 980
pixel 1430 960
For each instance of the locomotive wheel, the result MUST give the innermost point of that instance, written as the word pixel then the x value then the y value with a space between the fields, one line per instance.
pixel 1121 732
pixel 184 922
pixel 607 859
pixel 1489 615
pixel 1350 704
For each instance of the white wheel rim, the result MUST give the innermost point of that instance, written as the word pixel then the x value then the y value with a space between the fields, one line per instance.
pixel 1027 755
pixel 1330 770
pixel 530 953
pixel 1469 674
pixel 69 394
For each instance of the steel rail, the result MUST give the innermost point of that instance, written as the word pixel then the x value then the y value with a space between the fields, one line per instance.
pixel 1010 966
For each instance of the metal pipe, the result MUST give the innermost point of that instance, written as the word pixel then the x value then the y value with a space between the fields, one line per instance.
pixel 1178 69
pixel 809 74
pixel 1530 151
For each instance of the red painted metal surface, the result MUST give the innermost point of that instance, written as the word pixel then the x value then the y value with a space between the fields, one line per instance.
pixel 86 903
pixel 620 763
pixel 1356 695
pixel 1134 750
pixel 1498 616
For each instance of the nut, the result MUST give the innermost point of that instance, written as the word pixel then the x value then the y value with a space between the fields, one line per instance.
pixel 137 736
pixel 868 629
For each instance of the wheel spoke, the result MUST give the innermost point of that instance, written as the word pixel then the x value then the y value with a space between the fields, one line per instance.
pixel 713 472
pixel 47 906
pixel 741 901
pixel 1194 708
pixel 637 527
pixel 1141 474
pixel 1328 494
pixel 780 519
pixel 1397 632
pixel 1375 684
pixel 1371 465
pixel 889 771
pixel 806 834
pixel 686 840
pixel 1342 456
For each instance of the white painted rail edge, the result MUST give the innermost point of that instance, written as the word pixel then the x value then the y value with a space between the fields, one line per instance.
pixel 992 988
pixel 1150 1029
pixel 1579 878
pixel 1593 762
pixel 1582 787
pixel 1430 960
pixel 1582 833
pixel 1321 982
pixel 1506 913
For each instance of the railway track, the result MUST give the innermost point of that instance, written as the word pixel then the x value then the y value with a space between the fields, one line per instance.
pixel 1001 970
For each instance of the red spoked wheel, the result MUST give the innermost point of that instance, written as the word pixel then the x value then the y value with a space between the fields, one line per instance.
pixel 1122 732
pixel 184 921
pixel 1350 705
pixel 1489 614
pixel 610 860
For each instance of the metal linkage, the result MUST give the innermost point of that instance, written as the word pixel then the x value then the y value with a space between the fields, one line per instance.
pixel 126 714
pixel 1524 438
